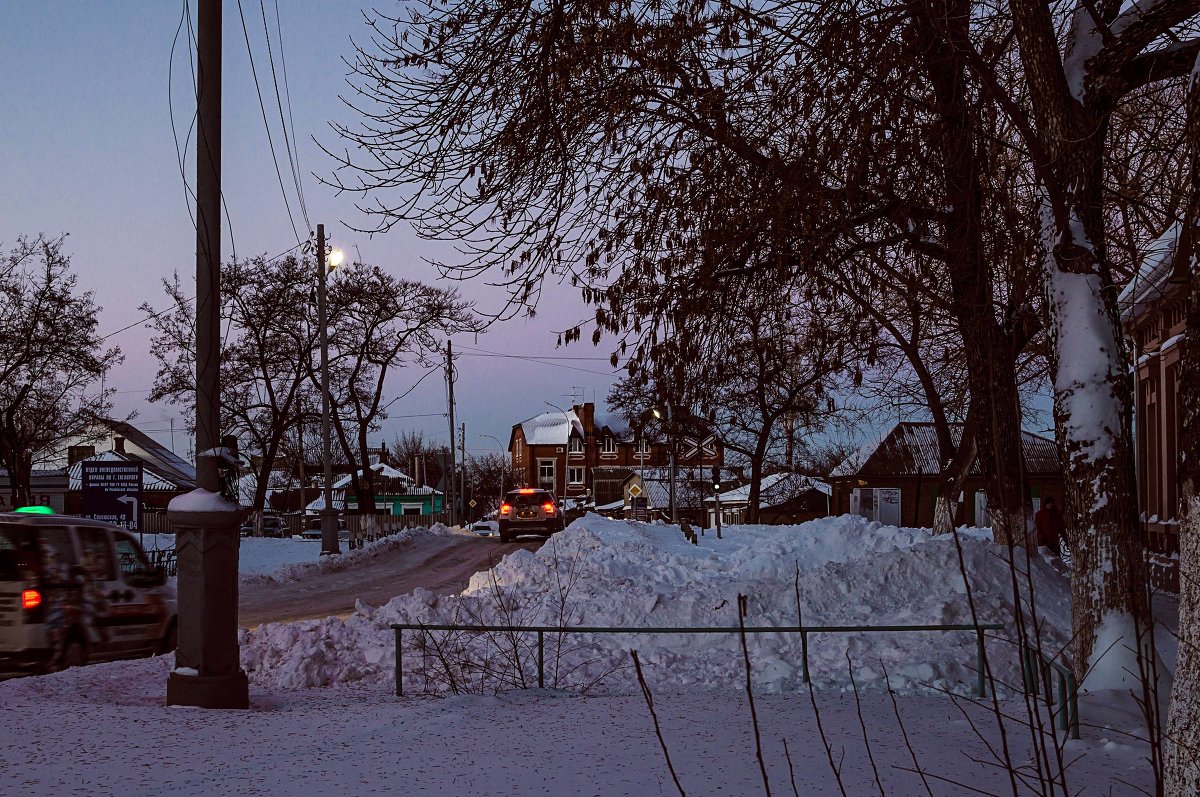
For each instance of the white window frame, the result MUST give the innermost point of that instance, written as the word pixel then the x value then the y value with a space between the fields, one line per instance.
pixel 517 450
pixel 608 445
pixel 575 445
pixel 574 470
pixel 643 446
pixel 553 471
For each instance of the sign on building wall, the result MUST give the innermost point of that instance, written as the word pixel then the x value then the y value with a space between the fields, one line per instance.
pixel 112 492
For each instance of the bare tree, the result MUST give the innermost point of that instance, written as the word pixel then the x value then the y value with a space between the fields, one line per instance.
pixel 378 324
pixel 51 359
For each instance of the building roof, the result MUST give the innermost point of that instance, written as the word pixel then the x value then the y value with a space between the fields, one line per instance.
pixel 550 428
pixel 386 471
pixel 692 485
pixel 775 489
pixel 1151 280
pixel 911 449
pixel 161 460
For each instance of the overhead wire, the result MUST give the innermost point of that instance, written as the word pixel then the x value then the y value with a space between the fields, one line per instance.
pixel 266 123
pixel 293 156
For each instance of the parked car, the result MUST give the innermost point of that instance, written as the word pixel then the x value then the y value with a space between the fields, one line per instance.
pixel 272 526
pixel 486 528
pixel 529 511
pixel 312 529
pixel 75 591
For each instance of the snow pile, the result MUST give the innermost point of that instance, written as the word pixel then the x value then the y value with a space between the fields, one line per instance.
pixel 315 564
pixel 599 572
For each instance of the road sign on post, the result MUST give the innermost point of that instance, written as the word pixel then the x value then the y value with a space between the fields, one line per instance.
pixel 111 491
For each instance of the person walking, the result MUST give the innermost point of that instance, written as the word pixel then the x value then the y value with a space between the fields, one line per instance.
pixel 1049 527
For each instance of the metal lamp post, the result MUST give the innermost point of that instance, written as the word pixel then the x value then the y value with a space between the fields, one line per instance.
pixel 329 515
pixel 566 455
pixel 658 413
pixel 500 448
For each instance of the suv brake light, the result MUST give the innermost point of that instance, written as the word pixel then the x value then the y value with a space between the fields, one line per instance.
pixel 549 507
pixel 505 509
pixel 30 599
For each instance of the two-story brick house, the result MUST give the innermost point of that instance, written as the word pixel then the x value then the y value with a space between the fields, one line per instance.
pixel 563 452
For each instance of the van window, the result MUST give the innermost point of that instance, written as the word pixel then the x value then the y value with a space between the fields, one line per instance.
pixel 58 553
pixel 18 553
pixel 130 556
pixel 96 556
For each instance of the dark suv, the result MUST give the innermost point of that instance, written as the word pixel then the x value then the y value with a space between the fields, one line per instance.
pixel 529 511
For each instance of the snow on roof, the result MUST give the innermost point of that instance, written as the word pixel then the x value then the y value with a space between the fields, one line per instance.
pixel 339 502
pixel 774 489
pixel 386 471
pixel 157 457
pixel 550 428
pixel 911 449
pixel 1156 268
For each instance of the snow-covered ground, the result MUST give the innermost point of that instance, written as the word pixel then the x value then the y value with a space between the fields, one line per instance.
pixel 323 717
pixel 289 558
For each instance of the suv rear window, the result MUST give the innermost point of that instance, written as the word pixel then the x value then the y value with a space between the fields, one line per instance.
pixel 18 552
pixel 536 498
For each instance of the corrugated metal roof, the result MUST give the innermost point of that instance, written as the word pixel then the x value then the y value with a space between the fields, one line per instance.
pixel 912 449
pixel 775 489
pixel 156 456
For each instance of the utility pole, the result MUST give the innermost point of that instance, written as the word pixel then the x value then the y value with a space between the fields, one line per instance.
pixel 329 515
pixel 462 493
pixel 207 671
pixel 450 386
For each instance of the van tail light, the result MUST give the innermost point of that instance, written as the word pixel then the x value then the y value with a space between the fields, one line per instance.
pixel 549 507
pixel 30 599
pixel 505 509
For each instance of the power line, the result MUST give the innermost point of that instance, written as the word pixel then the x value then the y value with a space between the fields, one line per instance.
pixel 187 301
pixel 533 359
pixel 293 157
pixel 266 124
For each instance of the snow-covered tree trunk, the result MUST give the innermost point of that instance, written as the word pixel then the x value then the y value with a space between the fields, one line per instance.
pixel 954 477
pixel 1181 764
pixel 1071 107
pixel 1092 413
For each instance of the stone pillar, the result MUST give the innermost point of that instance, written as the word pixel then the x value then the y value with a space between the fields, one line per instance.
pixel 208 672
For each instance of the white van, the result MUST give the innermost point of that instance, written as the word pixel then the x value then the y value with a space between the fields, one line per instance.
pixel 75 591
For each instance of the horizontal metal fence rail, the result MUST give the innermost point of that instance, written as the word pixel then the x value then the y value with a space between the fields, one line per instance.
pixel 1036 667
pixel 803 630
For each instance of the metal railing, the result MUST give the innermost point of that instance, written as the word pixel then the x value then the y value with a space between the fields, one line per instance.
pixel 1039 670
pixel 803 631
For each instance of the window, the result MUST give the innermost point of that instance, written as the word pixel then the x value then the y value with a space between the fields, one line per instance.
pixel 545 471
pixel 575 446
pixel 517 450
pixel 880 504
pixel 575 475
pixel 608 446
pixel 643 446
pixel 96 556
pixel 132 560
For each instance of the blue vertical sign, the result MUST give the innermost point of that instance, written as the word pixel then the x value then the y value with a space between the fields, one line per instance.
pixel 112 492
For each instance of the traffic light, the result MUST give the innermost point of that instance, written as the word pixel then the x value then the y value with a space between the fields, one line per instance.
pixel 716 478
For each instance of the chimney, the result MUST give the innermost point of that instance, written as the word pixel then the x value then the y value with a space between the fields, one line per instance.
pixel 118 444
pixel 76 453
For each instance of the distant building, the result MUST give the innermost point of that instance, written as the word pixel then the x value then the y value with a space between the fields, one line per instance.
pixel 395 494
pixel 897 480
pixel 783 499
pixel 164 473
pixel 578 455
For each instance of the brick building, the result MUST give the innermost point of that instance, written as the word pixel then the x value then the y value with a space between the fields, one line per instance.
pixel 576 453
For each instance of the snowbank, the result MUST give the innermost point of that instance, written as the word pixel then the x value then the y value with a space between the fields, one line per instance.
pixel 601 572
pixel 291 558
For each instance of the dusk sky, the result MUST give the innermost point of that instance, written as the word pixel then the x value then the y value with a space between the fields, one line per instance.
pixel 88 150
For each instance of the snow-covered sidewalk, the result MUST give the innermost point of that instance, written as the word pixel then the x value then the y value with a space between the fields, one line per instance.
pixel 103 730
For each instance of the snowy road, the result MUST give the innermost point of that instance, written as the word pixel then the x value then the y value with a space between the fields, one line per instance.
pixel 441 564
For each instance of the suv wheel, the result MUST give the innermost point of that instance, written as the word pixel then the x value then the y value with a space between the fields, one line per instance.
pixel 505 534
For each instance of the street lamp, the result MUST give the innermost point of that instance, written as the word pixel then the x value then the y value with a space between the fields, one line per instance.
pixel 329 515
pixel 566 455
pixel 500 448
pixel 660 414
